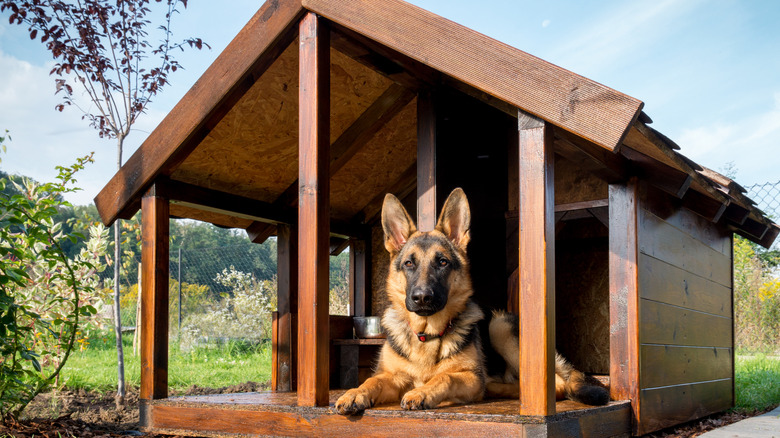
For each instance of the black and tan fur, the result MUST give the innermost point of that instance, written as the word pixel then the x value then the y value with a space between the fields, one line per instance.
pixel 433 351
pixel 569 382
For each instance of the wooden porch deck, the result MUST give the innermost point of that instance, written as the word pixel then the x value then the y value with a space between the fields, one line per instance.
pixel 268 413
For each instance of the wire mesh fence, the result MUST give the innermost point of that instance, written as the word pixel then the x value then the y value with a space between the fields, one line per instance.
pixel 222 293
pixel 766 196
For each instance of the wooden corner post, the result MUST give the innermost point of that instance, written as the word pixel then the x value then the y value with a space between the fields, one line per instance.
pixel 537 266
pixel 284 363
pixel 426 161
pixel 313 211
pixel 154 299
pixel 624 293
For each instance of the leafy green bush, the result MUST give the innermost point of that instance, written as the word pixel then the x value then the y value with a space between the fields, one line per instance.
pixel 756 299
pixel 45 297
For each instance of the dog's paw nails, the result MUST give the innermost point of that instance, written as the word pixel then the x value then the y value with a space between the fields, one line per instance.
pixel 415 400
pixel 353 402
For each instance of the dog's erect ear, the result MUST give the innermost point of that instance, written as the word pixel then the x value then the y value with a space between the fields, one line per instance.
pixel 397 224
pixel 455 219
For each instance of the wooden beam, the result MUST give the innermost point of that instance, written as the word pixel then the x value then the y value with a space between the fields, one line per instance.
pixel 584 205
pixel 216 201
pixel 259 232
pixel 604 164
pixel 667 178
pixel 235 70
pixel 359 278
pixel 287 308
pixel 426 161
pixel 624 221
pixel 576 104
pixel 736 214
pixel 537 266
pixel 313 211
pixel 337 245
pixel 704 206
pixel 154 300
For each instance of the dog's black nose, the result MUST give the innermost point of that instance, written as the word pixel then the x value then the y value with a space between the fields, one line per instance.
pixel 422 296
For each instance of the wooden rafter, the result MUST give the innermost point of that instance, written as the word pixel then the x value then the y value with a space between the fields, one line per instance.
pixel 387 106
pixel 576 104
pixel 672 181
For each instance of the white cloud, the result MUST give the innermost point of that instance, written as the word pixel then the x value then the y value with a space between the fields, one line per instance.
pixel 751 143
pixel 42 138
pixel 546 23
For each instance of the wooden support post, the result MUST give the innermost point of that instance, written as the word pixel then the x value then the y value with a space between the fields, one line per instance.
pixel 426 161
pixel 537 266
pixel 154 302
pixel 624 293
pixel 359 282
pixel 287 306
pixel 313 210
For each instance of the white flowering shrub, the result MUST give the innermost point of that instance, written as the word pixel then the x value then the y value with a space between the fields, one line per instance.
pixel 244 313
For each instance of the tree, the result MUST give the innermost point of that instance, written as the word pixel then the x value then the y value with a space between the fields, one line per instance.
pixel 101 47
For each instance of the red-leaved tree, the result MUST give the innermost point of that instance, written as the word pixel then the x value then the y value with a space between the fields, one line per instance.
pixel 102 48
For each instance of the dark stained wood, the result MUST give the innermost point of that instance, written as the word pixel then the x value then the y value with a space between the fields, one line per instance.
pixel 313 256
pixel 537 266
pixel 582 205
pixel 538 87
pixel 338 245
pixel 670 284
pixel 624 293
pixel 668 208
pixel 665 242
pixel 769 236
pixel 667 178
pixel 277 414
pixel 426 161
pixel 703 205
pixel 259 232
pixel 234 71
pixel 668 406
pixel 359 277
pixel 589 157
pixel 736 214
pixel 667 365
pixel 154 301
pixel 287 308
pixel 671 325
pixel 202 198
pixel 753 229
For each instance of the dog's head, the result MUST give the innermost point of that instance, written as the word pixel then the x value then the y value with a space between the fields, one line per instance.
pixel 428 269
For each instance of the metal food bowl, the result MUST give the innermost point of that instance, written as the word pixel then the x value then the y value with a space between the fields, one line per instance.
pixel 368 327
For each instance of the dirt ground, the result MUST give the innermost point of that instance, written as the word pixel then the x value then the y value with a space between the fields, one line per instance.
pixel 86 414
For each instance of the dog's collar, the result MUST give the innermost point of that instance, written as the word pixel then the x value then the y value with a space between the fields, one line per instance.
pixel 425 337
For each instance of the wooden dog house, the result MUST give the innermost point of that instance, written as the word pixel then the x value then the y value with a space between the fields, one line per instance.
pixel 615 246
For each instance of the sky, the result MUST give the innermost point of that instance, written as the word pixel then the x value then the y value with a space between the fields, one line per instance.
pixel 708 73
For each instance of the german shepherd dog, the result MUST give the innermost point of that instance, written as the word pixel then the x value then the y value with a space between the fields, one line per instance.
pixel 433 351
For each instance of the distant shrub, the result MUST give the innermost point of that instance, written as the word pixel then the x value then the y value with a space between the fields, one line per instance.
pixel 756 300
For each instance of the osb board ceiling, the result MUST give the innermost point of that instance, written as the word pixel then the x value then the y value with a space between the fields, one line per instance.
pixel 253 150
pixel 573 184
pixel 377 165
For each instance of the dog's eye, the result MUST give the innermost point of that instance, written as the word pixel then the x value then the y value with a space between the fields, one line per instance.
pixel 443 262
pixel 409 264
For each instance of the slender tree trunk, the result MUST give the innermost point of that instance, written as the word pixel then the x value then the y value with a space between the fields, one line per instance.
pixel 120 392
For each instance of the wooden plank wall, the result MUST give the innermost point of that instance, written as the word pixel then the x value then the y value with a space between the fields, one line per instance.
pixel 685 314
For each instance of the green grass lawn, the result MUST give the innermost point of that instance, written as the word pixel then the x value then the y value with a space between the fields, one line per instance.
pixel 757 382
pixel 231 364
pixel 757 377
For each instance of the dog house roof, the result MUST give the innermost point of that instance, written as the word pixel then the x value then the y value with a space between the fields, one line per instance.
pixel 229 148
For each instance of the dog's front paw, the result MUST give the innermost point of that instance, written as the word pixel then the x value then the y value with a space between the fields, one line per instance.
pixel 353 402
pixel 417 399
